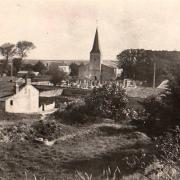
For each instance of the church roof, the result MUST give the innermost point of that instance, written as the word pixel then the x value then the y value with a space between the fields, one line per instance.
pixel 95 48
pixel 112 64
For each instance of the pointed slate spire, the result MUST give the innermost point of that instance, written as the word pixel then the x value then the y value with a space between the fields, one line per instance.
pixel 95 48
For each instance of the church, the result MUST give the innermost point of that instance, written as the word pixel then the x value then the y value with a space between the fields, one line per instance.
pixel 96 69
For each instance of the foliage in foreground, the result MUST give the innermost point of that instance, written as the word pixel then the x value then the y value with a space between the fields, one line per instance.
pixel 162 112
pixel 154 171
pixel 109 101
pixel 162 164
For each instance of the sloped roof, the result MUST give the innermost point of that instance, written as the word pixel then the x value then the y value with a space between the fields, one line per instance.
pixel 113 64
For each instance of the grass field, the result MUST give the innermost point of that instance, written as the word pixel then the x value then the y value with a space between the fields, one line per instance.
pixel 104 145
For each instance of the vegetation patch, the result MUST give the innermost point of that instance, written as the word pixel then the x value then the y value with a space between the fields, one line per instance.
pixel 109 101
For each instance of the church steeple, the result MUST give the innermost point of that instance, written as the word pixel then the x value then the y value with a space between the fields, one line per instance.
pixel 95 60
pixel 95 48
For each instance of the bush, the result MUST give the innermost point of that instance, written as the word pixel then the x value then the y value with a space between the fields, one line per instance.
pixel 162 112
pixel 167 146
pixel 109 101
pixel 75 114
pixel 48 130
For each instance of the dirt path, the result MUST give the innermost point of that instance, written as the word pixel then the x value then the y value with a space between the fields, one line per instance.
pixel 92 129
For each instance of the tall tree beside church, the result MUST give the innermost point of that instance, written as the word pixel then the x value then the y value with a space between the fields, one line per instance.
pixel 7 50
pixel 23 48
pixel 136 64
pixel 74 69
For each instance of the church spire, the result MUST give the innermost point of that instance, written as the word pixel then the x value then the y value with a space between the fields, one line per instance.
pixel 95 48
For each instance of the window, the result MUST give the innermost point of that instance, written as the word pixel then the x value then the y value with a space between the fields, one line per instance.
pixel 11 102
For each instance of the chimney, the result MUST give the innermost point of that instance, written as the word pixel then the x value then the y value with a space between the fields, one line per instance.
pixel 28 81
pixel 17 88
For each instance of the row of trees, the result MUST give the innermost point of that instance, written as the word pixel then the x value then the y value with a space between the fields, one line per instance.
pixel 57 75
pixel 15 53
pixel 138 64
pixel 19 51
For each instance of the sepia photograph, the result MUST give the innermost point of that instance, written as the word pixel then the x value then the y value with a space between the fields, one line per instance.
pixel 90 90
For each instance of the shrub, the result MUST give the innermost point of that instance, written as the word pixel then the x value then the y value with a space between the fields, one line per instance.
pixel 45 129
pixel 167 146
pixel 162 112
pixel 109 101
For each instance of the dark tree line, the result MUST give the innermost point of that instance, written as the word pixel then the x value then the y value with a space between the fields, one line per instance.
pixel 138 64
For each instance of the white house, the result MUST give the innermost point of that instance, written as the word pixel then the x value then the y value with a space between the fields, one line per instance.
pixel 25 100
pixel 65 68
pixel 24 73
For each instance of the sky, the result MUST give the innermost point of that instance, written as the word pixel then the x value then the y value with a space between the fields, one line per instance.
pixel 64 29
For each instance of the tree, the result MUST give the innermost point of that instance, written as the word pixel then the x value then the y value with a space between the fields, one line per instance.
pixel 57 76
pixel 74 69
pixel 28 67
pixel 7 50
pixel 23 47
pixel 17 63
pixel 136 64
pixel 109 101
pixel 40 67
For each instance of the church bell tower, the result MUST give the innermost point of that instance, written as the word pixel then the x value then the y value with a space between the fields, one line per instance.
pixel 95 60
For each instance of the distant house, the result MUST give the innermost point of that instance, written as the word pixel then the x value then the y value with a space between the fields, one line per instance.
pixel 65 68
pixel 26 100
pixel 25 73
pixel 129 83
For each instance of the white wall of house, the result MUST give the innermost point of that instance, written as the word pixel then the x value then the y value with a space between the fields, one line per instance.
pixel 65 69
pixel 51 93
pixel 24 101
pixel 47 107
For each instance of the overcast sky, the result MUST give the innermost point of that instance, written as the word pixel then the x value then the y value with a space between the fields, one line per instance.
pixel 64 29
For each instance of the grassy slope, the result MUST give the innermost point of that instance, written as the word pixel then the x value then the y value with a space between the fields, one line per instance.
pixel 91 153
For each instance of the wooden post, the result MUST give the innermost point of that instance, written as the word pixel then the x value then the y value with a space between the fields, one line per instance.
pixel 154 75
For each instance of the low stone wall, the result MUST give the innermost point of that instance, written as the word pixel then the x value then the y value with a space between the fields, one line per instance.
pixel 75 92
pixel 51 93
pixel 47 107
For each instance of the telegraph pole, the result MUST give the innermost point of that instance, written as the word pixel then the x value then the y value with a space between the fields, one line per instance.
pixel 11 63
pixel 154 75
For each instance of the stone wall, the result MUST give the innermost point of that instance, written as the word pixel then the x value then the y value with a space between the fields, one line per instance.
pixel 75 92
pixel 51 93
pixel 84 71
pixel 47 107
pixel 108 73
